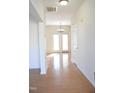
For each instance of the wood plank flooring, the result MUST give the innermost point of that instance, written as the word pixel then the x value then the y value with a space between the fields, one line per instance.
pixel 62 77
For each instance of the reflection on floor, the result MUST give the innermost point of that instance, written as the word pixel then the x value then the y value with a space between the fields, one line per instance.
pixel 62 77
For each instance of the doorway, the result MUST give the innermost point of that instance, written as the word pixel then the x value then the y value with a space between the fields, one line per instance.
pixel 60 42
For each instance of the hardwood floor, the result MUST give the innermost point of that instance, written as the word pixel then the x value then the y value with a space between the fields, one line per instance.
pixel 62 77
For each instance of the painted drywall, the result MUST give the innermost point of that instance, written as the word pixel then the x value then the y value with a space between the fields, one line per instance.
pixel 37 53
pixel 34 60
pixel 33 12
pixel 37 45
pixel 83 25
pixel 42 47
pixel 39 7
pixel 50 30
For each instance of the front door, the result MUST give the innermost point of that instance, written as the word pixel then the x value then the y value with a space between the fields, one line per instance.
pixel 60 42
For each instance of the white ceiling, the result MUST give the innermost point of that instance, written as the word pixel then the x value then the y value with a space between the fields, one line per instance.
pixel 63 14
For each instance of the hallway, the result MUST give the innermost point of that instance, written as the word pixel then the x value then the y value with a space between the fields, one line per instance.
pixel 62 77
pixel 54 31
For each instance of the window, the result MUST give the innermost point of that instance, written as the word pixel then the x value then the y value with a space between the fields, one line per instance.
pixel 56 42
pixel 65 41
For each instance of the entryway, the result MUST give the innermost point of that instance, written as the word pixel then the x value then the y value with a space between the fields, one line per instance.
pixel 60 42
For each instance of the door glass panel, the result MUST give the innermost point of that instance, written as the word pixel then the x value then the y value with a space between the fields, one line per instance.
pixel 55 42
pixel 65 41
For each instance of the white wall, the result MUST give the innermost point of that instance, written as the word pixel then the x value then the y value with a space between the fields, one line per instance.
pixel 34 61
pixel 39 7
pixel 84 25
pixel 37 53
pixel 42 48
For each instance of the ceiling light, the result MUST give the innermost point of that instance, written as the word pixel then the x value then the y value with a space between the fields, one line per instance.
pixel 60 29
pixel 63 2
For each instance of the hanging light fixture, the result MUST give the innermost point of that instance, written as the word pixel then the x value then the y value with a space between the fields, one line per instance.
pixel 60 29
pixel 63 2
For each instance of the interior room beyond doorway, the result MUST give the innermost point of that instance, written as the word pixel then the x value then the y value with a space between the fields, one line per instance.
pixel 58 41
